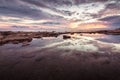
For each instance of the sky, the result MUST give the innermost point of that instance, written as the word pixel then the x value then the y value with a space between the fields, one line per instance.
pixel 59 15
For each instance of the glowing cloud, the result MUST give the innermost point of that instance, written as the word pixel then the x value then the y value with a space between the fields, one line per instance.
pixel 57 14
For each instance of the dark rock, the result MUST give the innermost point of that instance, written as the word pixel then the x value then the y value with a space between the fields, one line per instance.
pixel 66 37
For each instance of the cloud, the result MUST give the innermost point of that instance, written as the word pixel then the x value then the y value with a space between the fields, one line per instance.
pixel 111 18
pixel 20 27
pixel 10 19
pixel 67 9
pixel 51 23
pixel 114 21
pixel 42 9
pixel 31 11
pixel 16 8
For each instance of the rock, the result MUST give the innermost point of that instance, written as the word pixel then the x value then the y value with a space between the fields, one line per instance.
pixel 1 37
pixel 15 42
pixel 81 34
pixel 66 37
pixel 37 36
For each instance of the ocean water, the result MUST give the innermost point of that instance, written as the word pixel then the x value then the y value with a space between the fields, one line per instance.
pixel 41 42
pixel 90 56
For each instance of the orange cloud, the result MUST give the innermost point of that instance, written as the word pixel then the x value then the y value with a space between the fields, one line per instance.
pixel 93 26
pixel 89 26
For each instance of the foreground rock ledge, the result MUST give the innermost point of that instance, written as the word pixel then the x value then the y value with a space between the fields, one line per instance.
pixel 17 37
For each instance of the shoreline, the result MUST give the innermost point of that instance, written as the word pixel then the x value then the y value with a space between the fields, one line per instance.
pixel 20 37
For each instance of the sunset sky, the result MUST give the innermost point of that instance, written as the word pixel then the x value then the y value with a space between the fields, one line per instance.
pixel 59 15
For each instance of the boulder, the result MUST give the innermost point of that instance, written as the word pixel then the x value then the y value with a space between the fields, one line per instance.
pixel 66 37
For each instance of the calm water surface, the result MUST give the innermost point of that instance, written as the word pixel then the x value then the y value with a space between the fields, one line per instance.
pixel 35 43
pixel 105 38
pixel 31 62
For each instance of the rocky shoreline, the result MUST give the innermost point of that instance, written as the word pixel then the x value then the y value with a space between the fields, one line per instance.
pixel 21 37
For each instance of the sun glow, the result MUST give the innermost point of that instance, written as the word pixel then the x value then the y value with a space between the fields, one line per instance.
pixel 88 26
pixel 73 25
pixel 93 26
